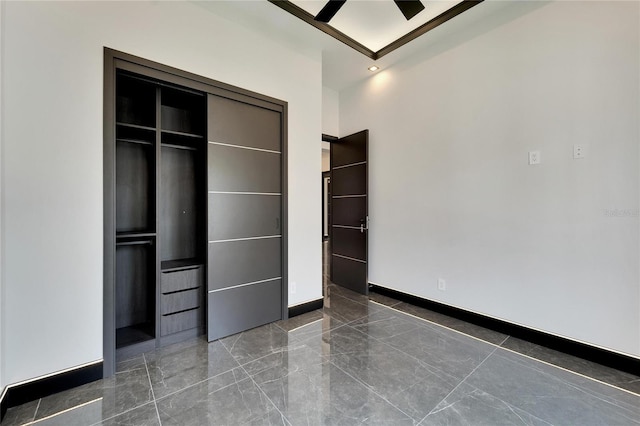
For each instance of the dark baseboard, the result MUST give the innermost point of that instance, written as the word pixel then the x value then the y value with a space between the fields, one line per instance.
pixel 294 311
pixel 581 350
pixel 39 388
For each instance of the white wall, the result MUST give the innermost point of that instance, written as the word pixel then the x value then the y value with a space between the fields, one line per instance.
pixel 2 309
pixel 52 162
pixel 330 111
pixel 326 160
pixel 552 246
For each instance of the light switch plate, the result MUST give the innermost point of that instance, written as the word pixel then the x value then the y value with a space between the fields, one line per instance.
pixel 534 157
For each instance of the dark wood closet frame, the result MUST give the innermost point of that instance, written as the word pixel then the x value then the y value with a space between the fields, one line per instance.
pixel 116 60
pixel 327 207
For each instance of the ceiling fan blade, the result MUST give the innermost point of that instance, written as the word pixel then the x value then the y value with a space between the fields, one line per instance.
pixel 409 8
pixel 331 8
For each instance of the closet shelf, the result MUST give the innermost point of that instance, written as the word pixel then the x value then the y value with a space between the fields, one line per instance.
pixel 189 135
pixel 180 264
pixel 135 126
pixel 135 234
pixel 171 145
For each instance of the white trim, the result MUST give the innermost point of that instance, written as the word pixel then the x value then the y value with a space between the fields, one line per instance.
pixel 349 196
pixel 349 258
pixel 349 165
pixel 245 239
pixel 245 284
pixel 245 193
pixel 245 147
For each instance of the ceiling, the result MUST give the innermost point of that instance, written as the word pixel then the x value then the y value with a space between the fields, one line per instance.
pixel 380 21
pixel 375 27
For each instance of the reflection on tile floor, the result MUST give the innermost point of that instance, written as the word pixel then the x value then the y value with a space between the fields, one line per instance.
pixel 370 360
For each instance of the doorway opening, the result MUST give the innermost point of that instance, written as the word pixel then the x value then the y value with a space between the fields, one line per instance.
pixel 347 219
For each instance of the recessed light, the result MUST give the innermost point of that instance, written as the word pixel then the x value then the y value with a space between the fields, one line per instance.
pixel 373 68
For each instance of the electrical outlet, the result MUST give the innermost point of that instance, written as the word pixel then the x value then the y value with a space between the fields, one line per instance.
pixel 579 151
pixel 442 284
pixel 534 157
pixel 293 287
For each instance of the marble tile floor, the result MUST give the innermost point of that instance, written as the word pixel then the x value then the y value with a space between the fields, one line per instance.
pixel 359 360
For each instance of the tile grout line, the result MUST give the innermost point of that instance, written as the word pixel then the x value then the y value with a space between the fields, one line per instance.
pixel 199 383
pixel 265 395
pixel 370 388
pixel 458 385
pixel 350 299
pixel 569 371
pixel 499 345
pixel 67 410
pixel 153 395
pixel 209 378
pixel 257 385
pixel 428 366
pixel 511 350
pixel 503 342
pixel 614 401
pixel 119 414
pixel 438 324
pixel 37 408
pixel 431 368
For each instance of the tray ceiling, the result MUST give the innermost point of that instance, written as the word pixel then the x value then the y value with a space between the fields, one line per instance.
pixel 376 27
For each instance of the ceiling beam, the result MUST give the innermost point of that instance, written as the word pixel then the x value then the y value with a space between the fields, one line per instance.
pixel 329 10
pixel 342 37
pixel 324 27
pixel 428 26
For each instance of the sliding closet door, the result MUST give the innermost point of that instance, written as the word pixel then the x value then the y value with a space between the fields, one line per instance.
pixel 244 212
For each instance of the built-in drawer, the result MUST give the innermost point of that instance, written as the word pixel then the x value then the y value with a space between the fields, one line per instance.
pixel 181 301
pixel 174 323
pixel 181 279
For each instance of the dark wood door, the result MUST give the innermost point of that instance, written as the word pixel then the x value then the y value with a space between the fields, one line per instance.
pixel 244 224
pixel 349 212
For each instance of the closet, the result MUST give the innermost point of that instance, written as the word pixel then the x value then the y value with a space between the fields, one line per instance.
pixel 194 223
pixel 160 205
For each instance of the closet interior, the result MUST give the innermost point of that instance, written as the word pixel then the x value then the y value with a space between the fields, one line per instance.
pixel 160 212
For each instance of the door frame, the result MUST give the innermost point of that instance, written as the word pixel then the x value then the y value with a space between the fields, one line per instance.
pixel 113 60
pixel 325 203
pixel 330 139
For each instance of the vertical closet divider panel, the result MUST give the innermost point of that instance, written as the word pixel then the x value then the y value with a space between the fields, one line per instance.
pixel 182 232
pixel 158 198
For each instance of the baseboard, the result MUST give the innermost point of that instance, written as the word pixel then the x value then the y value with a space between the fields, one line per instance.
pixel 303 308
pixel 21 393
pixel 581 350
